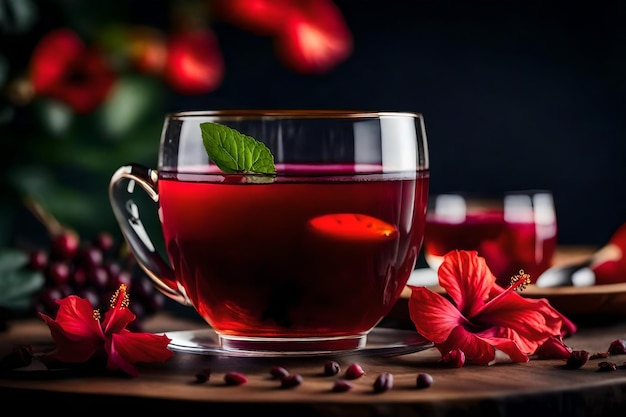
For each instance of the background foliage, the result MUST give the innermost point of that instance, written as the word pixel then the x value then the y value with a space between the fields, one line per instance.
pixel 80 103
pixel 85 87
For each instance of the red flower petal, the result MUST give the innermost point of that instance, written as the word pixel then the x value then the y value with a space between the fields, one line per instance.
pixel 467 280
pixel 554 348
pixel 567 327
pixel 315 39
pixel 76 333
pixel 433 315
pixel 194 62
pixel 87 84
pixel 534 321
pixel 476 350
pixel 62 68
pixel 454 358
pixel 264 17
pixel 76 317
pixel 508 341
pixel 51 57
pixel 116 320
pixel 127 348
pixel 70 349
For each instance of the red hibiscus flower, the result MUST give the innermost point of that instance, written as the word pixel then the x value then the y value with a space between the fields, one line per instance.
pixel 314 39
pixel 264 17
pixel 80 336
pixel 64 69
pixel 480 316
pixel 194 62
pixel 310 36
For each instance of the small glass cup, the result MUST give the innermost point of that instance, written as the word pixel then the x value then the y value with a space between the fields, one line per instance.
pixel 513 231
pixel 307 260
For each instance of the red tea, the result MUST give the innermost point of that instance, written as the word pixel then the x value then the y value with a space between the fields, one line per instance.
pixel 294 258
pixel 506 246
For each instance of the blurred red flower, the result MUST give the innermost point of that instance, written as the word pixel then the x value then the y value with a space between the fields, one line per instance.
pixel 264 17
pixel 310 36
pixel 194 62
pixel 314 39
pixel 62 67
pixel 147 49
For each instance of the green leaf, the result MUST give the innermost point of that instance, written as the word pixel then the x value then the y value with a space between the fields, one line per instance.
pixel 234 152
pixel 17 284
pixel 11 260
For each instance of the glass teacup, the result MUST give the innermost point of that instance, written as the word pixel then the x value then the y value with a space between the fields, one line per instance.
pixel 513 230
pixel 310 257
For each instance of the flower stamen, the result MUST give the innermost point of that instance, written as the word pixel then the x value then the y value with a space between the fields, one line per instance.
pixel 520 281
pixel 96 315
pixel 120 299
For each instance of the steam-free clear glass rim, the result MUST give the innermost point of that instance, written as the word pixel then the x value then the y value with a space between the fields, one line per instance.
pixel 293 114
pixel 401 136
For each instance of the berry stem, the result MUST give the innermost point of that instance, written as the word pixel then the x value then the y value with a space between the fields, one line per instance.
pixel 54 227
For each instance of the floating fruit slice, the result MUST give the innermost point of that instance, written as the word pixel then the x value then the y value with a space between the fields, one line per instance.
pixel 353 226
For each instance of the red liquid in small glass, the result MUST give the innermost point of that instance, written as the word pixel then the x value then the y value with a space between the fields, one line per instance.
pixel 507 247
pixel 293 259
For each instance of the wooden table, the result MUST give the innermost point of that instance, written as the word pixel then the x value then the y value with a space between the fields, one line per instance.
pixel 536 388
pixel 539 387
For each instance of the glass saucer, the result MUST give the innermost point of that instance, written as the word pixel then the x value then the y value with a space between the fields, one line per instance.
pixel 384 342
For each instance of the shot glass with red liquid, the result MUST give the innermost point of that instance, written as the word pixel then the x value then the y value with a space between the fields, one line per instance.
pixel 513 231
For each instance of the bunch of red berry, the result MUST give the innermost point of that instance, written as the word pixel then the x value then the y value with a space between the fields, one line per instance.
pixel 92 270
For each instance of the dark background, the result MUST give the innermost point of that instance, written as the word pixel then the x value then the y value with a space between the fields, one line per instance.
pixel 515 94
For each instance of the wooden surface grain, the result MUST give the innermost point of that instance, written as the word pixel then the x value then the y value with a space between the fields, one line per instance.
pixel 536 388
pixel 541 385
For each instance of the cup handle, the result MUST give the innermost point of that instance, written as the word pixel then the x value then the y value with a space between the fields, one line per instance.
pixel 121 188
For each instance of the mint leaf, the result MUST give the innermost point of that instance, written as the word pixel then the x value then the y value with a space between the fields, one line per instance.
pixel 236 153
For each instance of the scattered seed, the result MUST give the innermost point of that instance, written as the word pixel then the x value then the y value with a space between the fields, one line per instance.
pixel 331 368
pixel 618 347
pixel 279 372
pixel 290 381
pixel 599 355
pixel 423 380
pixel 203 375
pixel 20 356
pixel 577 359
pixel 607 366
pixel 354 371
pixel 235 378
pixel 454 359
pixel 384 382
pixel 341 385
